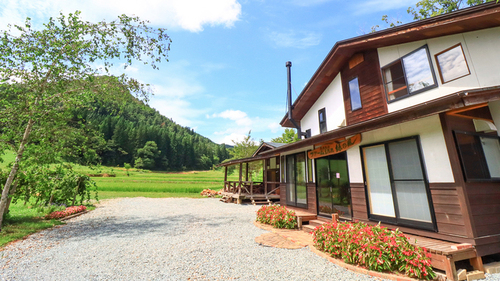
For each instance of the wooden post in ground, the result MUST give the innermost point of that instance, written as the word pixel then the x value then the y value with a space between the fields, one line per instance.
pixel 225 178
pixel 241 174
pixel 246 172
pixel 264 176
pixel 335 217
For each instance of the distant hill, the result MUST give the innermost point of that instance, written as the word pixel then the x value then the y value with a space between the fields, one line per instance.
pixel 119 133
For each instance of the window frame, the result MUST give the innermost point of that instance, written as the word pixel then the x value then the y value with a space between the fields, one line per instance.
pixel 294 202
pixel 397 220
pixel 322 111
pixel 460 155
pixel 401 60
pixel 436 57
pixel 358 94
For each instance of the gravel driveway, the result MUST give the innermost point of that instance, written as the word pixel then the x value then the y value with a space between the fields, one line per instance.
pixel 162 239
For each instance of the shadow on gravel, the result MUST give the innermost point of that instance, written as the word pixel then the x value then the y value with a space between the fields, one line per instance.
pixel 135 227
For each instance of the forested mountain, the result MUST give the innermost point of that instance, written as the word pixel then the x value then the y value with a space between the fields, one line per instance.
pixel 132 132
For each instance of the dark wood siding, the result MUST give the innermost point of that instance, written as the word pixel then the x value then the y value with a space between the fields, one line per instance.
pixel 484 200
pixel 358 197
pixel 480 201
pixel 373 101
pixel 449 215
pixel 311 198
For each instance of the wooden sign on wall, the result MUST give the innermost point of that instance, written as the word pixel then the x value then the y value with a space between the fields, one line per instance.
pixel 334 148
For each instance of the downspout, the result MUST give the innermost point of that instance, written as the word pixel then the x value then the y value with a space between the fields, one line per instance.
pixel 289 96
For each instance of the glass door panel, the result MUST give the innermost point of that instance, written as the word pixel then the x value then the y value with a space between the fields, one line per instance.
pixel 378 182
pixel 324 186
pixel 300 179
pixel 409 181
pixel 332 186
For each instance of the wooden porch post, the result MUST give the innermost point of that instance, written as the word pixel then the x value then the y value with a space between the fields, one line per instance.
pixel 241 172
pixel 264 169
pixel 246 176
pixel 225 178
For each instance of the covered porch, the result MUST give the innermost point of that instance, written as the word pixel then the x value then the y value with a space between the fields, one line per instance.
pixel 258 177
pixel 257 181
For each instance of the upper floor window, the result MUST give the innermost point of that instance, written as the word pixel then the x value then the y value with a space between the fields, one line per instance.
pixel 452 64
pixel 409 75
pixel 322 120
pixel 355 94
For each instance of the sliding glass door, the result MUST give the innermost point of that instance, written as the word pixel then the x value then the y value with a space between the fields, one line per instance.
pixel 296 180
pixel 396 185
pixel 332 186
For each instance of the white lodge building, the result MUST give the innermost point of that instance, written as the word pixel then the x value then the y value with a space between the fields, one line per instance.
pixel 403 128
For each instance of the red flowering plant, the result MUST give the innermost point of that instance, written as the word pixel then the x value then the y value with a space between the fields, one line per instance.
pixel 67 212
pixel 374 247
pixel 277 216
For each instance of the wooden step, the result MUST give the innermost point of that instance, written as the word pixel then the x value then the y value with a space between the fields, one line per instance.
pixel 316 222
pixel 260 202
pixel 308 228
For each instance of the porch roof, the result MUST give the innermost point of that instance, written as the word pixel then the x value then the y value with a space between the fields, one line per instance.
pixel 443 104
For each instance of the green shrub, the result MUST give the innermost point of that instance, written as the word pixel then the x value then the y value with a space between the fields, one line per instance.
pixel 375 247
pixel 277 216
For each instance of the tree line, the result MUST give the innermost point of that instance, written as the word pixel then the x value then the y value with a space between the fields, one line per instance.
pixel 137 134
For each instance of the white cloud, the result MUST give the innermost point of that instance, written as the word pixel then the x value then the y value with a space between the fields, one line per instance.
pixel 190 15
pixel 294 39
pixel 274 127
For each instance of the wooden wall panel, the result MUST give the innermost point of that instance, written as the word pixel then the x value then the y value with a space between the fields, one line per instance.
pixel 312 206
pixel 373 99
pixel 358 199
pixel 480 200
pixel 484 200
pixel 283 194
pixel 447 208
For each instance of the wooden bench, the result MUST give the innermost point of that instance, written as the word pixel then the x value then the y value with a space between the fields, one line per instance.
pixel 444 257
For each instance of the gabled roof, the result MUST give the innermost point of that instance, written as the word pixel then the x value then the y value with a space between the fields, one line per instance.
pixel 470 19
pixel 265 146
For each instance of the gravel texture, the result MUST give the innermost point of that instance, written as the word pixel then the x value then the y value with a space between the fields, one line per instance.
pixel 163 239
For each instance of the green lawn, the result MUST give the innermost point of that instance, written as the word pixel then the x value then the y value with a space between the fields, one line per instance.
pixel 22 221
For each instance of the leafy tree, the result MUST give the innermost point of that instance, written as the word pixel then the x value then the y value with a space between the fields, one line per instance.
pixel 244 148
pixel 288 136
pixel 430 8
pixel 147 156
pixel 53 70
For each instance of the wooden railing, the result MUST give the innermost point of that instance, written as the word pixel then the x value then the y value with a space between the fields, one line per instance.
pixel 251 187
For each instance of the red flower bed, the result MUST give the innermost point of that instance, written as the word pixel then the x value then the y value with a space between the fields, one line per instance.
pixel 374 247
pixel 277 216
pixel 67 212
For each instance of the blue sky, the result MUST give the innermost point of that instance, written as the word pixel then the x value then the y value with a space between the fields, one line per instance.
pixel 226 73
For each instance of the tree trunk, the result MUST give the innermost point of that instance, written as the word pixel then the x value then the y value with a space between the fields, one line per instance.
pixel 13 171
pixel 11 193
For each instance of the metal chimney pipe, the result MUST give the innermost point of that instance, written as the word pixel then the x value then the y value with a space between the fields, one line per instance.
pixel 289 96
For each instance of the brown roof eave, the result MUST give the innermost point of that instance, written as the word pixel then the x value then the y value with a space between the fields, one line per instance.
pixel 443 104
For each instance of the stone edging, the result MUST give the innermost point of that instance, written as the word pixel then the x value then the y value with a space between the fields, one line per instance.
pixel 74 215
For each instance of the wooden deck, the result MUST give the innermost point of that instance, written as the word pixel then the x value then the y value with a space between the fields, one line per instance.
pixel 443 256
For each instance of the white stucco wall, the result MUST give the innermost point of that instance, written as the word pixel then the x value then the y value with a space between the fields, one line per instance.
pixel 481 53
pixel 433 146
pixel 333 102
